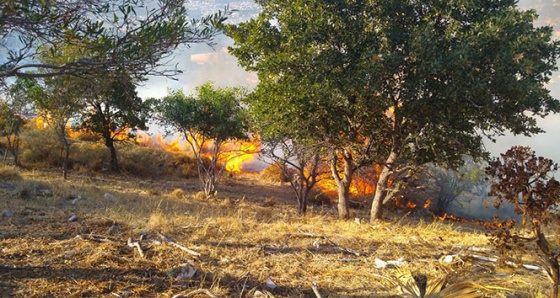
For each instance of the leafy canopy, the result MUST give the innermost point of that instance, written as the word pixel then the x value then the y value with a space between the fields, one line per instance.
pixel 429 79
pixel 135 35
pixel 214 113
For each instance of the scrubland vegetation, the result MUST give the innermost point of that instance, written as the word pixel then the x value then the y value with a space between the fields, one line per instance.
pixel 374 115
pixel 250 236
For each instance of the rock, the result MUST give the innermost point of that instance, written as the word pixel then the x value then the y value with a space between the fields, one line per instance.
pixel 114 229
pixel 7 213
pixel 108 196
pixel 73 218
pixel 183 271
pixel 270 284
pixel 75 200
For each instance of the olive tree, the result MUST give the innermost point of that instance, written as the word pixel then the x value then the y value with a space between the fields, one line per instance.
pixel 207 120
pixel 427 81
pixel 135 35
pixel 113 109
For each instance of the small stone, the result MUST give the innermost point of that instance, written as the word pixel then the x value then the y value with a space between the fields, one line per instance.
pixel 7 213
pixel 73 218
pixel 74 201
pixel 270 284
pixel 114 229
pixel 108 196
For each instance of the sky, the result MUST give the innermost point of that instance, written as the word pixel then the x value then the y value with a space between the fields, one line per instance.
pixel 202 63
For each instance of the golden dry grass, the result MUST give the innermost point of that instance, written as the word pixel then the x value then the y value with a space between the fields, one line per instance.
pixel 248 234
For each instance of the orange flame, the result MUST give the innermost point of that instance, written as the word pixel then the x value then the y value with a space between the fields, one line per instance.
pixel 237 155
pixel 407 205
pixel 449 217
pixel 427 204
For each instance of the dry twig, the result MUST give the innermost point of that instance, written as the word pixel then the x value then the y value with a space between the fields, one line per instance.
pixel 316 289
pixel 136 244
pixel 164 238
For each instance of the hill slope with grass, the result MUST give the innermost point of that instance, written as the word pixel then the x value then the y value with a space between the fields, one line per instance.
pixel 122 236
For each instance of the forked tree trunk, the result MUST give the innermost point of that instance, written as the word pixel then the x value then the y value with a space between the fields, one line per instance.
pixel 343 183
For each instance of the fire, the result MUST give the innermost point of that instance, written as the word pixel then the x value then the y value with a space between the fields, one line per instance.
pixel 427 204
pixel 237 155
pixel 407 205
pixel 360 185
pixel 449 217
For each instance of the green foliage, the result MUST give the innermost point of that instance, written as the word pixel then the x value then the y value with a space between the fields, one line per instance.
pixel 526 181
pixel 135 35
pixel 206 120
pixel 114 110
pixel 425 80
pixel 212 114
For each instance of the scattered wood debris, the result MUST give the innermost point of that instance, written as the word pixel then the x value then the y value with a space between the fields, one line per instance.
pixel 173 243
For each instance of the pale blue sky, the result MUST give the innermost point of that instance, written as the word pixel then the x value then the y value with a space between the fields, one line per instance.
pixel 201 64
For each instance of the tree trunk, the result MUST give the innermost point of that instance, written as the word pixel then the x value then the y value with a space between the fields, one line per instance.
pixel 553 266
pixel 381 187
pixel 64 139
pixel 343 183
pixel 109 143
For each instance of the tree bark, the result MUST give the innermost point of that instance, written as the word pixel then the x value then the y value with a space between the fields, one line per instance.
pixel 64 139
pixel 553 266
pixel 109 143
pixel 382 186
pixel 343 183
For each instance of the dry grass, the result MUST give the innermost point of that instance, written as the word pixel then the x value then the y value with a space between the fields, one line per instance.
pixel 244 239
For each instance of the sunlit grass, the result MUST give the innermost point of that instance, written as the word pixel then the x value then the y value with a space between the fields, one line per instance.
pixel 244 236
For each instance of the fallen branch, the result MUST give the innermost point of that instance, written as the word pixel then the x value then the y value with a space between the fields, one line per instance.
pixel 96 238
pixel 316 289
pixel 510 263
pixel 164 238
pixel 136 244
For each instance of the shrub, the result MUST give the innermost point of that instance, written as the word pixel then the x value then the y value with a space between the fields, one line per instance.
pixel 41 147
pixel 88 156
pixel 276 173
pixel 527 181
pixel 9 173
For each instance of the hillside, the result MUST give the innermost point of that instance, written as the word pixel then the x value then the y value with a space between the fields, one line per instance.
pixel 77 238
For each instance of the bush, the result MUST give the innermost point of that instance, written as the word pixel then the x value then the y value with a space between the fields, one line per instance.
pixel 142 161
pixel 184 165
pixel 86 156
pixel 41 147
pixel 9 173
pixel 275 173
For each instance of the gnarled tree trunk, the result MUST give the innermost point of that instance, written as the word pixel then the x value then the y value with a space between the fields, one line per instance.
pixel 342 183
pixel 382 187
